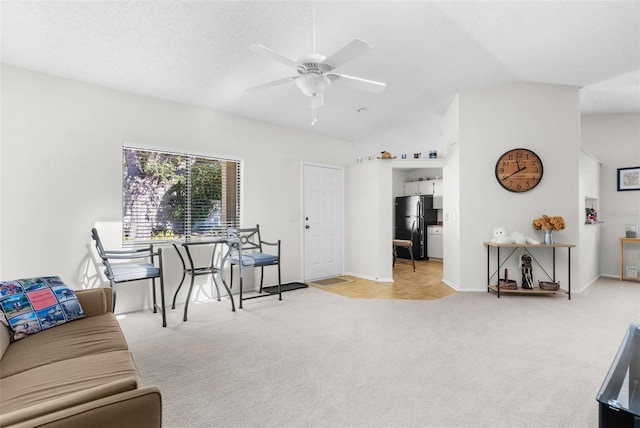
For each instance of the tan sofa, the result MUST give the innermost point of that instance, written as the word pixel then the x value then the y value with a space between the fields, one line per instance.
pixel 79 374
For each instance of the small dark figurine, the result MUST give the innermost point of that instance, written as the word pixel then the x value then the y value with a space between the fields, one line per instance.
pixel 527 271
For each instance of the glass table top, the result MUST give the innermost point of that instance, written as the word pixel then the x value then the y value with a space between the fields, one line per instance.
pixel 621 388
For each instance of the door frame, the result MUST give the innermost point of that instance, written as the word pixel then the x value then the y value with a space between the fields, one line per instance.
pixel 302 201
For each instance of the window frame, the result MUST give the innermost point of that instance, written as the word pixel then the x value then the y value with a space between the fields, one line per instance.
pixel 188 234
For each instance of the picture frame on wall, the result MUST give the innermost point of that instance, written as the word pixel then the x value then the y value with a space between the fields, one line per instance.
pixel 629 178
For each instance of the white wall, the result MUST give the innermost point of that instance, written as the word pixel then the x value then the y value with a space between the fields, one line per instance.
pixel 369 208
pixel 61 170
pixel 615 141
pixel 368 217
pixel 539 117
pixel 408 140
pixel 452 242
pixel 589 261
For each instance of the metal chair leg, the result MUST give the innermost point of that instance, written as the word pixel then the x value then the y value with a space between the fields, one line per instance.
pixel 153 293
pixel 164 311
pixel 261 277
pixel 412 260
pixel 175 295
pixel 213 277
pixel 279 284
pixel 184 274
pixel 113 291
pixel 395 255
pixel 241 275
pixel 186 303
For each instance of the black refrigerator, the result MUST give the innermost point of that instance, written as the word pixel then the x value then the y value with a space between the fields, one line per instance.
pixel 413 214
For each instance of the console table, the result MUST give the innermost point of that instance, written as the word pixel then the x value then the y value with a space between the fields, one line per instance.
pixel 536 290
pixel 624 241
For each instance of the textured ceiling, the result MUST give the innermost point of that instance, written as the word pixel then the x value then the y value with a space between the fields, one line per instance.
pixel 196 53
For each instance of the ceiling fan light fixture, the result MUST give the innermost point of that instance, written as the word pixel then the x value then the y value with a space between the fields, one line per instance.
pixel 312 84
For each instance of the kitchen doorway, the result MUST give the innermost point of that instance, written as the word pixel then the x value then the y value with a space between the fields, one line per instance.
pixel 424 184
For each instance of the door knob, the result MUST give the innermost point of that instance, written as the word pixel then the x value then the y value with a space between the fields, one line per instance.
pixel 307 227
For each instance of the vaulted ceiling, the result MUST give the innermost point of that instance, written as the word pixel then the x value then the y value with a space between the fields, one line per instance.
pixel 196 52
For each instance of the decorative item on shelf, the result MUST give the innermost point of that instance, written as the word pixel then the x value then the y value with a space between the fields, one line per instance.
pixel 502 236
pixel 631 230
pixel 386 155
pixel 417 155
pixel 506 283
pixel 433 154
pixel 591 215
pixel 549 285
pixel 403 156
pixel 527 271
pixel 549 224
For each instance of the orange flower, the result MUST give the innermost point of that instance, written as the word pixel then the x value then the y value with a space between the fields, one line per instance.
pixel 549 223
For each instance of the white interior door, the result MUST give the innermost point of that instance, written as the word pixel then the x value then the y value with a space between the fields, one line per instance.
pixel 322 216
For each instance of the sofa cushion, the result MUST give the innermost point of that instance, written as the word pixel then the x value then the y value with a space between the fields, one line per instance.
pixel 31 305
pixel 55 380
pixel 89 335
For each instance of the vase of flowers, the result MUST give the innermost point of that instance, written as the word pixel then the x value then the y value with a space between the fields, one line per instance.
pixel 548 224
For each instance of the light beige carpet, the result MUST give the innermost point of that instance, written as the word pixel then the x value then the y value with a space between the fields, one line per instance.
pixel 317 359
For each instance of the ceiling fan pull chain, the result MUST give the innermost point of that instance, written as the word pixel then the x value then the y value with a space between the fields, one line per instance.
pixel 314 119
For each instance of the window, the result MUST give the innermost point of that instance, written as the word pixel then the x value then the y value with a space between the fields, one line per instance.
pixel 176 195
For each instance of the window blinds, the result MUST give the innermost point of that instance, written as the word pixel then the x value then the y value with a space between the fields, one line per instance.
pixel 169 195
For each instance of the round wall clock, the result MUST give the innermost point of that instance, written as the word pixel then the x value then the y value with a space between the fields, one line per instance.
pixel 519 170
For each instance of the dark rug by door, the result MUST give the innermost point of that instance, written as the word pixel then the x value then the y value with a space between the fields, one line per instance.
pixel 273 289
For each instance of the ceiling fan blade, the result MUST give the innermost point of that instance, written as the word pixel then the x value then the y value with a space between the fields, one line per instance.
pixel 354 49
pixel 273 55
pixel 358 83
pixel 272 84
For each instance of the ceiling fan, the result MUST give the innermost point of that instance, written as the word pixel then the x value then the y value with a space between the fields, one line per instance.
pixel 316 72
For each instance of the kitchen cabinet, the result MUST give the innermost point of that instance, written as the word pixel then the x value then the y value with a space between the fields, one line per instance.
pixel 436 186
pixel 417 188
pixel 425 187
pixel 434 242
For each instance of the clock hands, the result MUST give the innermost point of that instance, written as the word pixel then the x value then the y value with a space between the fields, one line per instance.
pixel 514 173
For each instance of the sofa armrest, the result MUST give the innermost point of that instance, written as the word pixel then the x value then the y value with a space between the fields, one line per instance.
pixel 95 301
pixel 136 408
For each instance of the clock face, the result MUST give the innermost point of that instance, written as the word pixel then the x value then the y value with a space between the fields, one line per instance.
pixel 519 170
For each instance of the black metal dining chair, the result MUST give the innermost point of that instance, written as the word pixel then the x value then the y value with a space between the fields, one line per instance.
pixel 120 267
pixel 246 250
pixel 406 244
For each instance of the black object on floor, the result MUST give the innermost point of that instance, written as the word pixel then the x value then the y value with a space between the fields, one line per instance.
pixel 273 289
